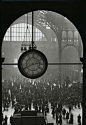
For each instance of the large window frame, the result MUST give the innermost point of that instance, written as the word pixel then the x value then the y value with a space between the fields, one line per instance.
pixel 9 37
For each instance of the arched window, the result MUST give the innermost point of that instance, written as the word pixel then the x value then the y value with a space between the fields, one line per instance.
pixel 70 35
pixel 76 34
pixel 64 34
pixel 64 72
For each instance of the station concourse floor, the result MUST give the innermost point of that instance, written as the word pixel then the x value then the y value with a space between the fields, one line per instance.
pixel 50 119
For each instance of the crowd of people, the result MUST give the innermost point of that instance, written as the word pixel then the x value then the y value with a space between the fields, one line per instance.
pixel 21 93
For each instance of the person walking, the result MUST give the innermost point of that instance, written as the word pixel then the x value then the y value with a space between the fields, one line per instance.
pixel 11 120
pixel 71 118
pixel 64 112
pixel 67 116
pixel 56 118
pixel 79 119
pixel 53 112
pixel 5 119
pixel 60 119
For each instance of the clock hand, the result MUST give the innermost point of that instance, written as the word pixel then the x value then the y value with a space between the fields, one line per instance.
pixel 32 64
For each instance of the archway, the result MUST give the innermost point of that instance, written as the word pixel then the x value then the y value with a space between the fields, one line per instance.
pixel 54 75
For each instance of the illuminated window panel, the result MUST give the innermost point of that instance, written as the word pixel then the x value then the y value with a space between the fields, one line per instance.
pixel 15 61
pixel 18 32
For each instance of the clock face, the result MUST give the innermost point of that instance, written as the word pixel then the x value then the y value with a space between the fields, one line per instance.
pixel 32 64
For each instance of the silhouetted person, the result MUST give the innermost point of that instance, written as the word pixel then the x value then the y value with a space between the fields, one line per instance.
pixel 16 110
pixel 42 108
pixel 71 118
pixel 39 108
pixel 60 119
pixel 53 112
pixel 5 120
pixel 26 108
pixel 2 116
pixel 29 106
pixel 79 119
pixel 36 108
pixel 56 118
pixel 13 102
pixel 11 120
pixel 79 105
pixel 64 111
pixel 69 109
pixel 67 116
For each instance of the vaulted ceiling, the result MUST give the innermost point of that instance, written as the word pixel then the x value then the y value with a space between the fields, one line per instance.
pixel 48 18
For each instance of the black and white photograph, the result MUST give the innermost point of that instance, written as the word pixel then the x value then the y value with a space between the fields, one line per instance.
pixel 42 74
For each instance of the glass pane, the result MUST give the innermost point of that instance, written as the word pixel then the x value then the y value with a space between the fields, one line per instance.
pixel 61 84
pixel 46 40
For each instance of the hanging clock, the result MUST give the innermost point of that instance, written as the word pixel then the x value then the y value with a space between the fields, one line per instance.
pixel 32 64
